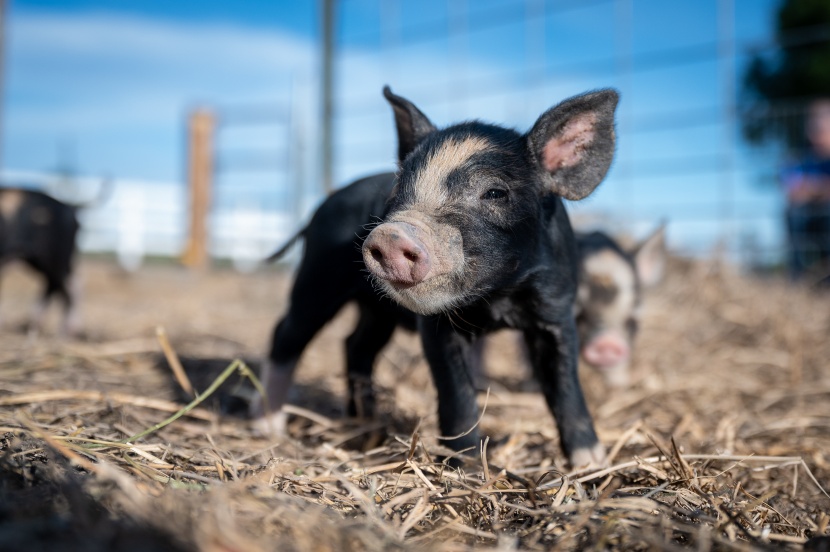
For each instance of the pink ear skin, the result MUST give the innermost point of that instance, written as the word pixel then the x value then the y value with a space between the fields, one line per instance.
pixel 573 143
pixel 650 258
pixel 568 148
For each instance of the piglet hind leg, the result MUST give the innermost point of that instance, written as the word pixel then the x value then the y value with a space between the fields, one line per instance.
pixel 447 353
pixel 374 329
pixel 72 325
pixel 38 314
pixel 314 301
pixel 553 353
pixel 268 417
pixel 291 335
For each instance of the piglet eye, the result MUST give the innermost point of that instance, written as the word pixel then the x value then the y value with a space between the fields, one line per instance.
pixel 494 193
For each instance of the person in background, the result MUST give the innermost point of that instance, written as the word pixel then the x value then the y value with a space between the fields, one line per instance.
pixel 807 185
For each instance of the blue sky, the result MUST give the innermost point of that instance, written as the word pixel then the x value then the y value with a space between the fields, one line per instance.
pixel 104 86
pixel 298 17
pixel 115 81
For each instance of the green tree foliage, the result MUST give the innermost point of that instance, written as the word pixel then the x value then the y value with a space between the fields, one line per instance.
pixel 778 85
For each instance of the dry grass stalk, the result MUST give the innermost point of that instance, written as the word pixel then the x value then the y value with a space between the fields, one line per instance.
pixel 711 445
pixel 174 362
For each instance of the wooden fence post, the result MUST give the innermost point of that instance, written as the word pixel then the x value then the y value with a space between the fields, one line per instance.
pixel 200 177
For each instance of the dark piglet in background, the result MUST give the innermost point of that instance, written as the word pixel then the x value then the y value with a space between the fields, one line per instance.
pixel 611 284
pixel 475 239
pixel 40 231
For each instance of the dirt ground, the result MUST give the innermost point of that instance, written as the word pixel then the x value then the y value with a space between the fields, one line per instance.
pixel 722 442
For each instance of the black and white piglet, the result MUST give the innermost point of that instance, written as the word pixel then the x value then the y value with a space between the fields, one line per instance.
pixel 475 238
pixel 40 231
pixel 612 279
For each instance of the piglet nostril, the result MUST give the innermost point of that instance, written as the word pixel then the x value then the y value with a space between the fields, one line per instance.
pixel 394 253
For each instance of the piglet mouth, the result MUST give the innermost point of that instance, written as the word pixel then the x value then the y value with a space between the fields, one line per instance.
pixel 400 286
pixel 395 286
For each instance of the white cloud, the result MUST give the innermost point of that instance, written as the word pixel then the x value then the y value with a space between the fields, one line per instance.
pixel 121 38
pixel 105 69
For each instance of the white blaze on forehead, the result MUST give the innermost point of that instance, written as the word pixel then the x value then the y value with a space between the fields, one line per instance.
pixel 10 201
pixel 430 182
pixel 609 269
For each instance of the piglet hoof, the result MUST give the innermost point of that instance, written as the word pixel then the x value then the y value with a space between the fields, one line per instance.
pixel 32 334
pixel 72 328
pixel 271 426
pixel 589 457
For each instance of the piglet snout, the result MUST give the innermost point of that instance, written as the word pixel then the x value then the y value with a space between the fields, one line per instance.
pixel 606 351
pixel 393 252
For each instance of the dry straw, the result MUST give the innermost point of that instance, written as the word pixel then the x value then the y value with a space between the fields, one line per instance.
pixel 721 443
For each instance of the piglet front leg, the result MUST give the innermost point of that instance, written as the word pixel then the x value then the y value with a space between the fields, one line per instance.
pixel 447 353
pixel 553 351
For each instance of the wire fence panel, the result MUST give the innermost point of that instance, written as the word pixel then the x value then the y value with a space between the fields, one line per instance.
pixel 681 154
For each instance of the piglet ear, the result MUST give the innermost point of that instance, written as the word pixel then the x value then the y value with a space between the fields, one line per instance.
pixel 412 125
pixel 572 144
pixel 650 258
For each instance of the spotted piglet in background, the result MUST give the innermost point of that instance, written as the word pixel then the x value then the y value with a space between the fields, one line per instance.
pixel 611 284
